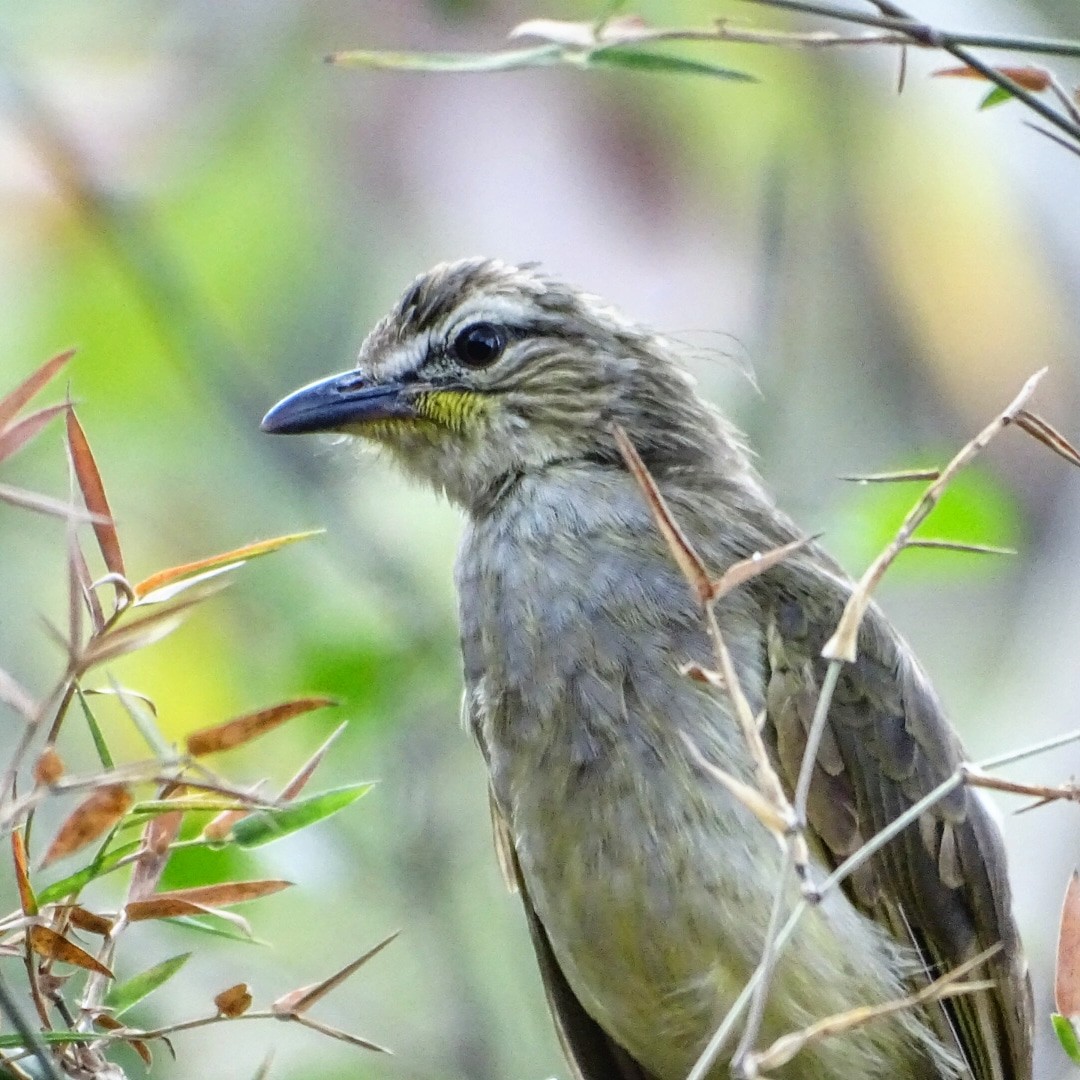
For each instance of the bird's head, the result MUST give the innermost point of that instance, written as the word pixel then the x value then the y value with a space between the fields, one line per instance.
pixel 484 372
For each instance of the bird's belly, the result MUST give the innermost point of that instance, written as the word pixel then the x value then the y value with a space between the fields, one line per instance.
pixel 658 936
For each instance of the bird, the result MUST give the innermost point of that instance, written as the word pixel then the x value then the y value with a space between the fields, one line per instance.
pixel 646 882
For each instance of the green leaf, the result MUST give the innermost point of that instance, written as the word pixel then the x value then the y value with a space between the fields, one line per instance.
pixel 53 1038
pixel 265 826
pixel 635 58
pixel 215 928
pixel 996 96
pixel 128 993
pixel 144 720
pixel 1065 1030
pixel 100 745
pixel 75 883
pixel 432 62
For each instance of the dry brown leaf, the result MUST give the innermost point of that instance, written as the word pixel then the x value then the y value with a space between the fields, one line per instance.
pixel 337 1033
pixel 1048 435
pixel 89 921
pixel 304 773
pixel 53 946
pixel 27 900
pixel 237 555
pixel 158 835
pixel 168 905
pixel 745 569
pixel 1031 78
pixel 296 1002
pixel 48 768
pixel 1067 969
pixel 93 491
pixel 235 1001
pixel 17 398
pixel 95 815
pixel 243 729
pixel 18 435
pixel 143 1050
pixel 773 817
pixel 682 551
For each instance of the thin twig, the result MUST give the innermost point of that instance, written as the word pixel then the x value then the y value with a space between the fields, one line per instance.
pixel 843 645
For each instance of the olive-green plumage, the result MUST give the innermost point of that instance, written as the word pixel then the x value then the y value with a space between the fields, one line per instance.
pixel 647 886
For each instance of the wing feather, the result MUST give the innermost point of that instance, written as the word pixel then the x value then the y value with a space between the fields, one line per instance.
pixel 940 884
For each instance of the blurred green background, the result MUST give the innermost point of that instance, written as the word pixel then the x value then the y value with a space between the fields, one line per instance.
pixel 213 216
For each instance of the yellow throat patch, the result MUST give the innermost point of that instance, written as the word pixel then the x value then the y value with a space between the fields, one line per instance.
pixel 453 409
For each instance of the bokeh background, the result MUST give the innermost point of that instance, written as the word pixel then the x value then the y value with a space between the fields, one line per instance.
pixel 213 216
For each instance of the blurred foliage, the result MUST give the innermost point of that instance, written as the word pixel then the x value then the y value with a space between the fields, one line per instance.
pixel 215 216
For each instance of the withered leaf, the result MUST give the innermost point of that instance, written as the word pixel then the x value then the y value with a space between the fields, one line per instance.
pixel 1031 78
pixel 27 900
pixel 53 946
pixel 682 551
pixel 93 490
pixel 235 1001
pixel 296 1002
pixel 48 768
pixel 158 834
pixel 232 558
pixel 93 817
pixel 11 403
pixel 243 729
pixel 89 921
pixel 18 435
pixel 1067 969
pixel 168 905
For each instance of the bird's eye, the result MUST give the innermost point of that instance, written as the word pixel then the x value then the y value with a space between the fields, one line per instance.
pixel 480 344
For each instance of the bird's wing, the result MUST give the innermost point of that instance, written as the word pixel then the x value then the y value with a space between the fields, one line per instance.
pixel 591 1054
pixel 941 882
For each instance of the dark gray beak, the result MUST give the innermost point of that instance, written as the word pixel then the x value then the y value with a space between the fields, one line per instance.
pixel 341 401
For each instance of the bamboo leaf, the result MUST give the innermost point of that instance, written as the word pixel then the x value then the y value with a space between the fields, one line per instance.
pixel 75 883
pixel 1066 1032
pixel 27 900
pixel 93 491
pixel 297 1002
pixel 190 901
pixel 18 435
pixel 227 560
pixel 636 58
pixel 265 826
pixel 1067 968
pixel 439 62
pixel 53 946
pixel 46 504
pixel 243 729
pixel 130 992
pixel 12 402
pixel 93 817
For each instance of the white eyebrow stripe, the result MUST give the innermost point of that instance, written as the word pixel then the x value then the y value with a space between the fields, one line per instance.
pixel 501 310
